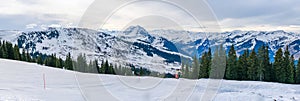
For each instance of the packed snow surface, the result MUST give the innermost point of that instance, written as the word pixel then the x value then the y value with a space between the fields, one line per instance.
pixel 20 81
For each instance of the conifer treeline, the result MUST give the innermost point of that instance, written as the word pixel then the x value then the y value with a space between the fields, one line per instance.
pixel 254 65
pixel 10 51
pixel 248 66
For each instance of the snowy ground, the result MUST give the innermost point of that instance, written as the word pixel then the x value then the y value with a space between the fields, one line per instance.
pixel 21 81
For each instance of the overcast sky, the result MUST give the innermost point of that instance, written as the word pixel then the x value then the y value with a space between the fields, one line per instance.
pixel 231 14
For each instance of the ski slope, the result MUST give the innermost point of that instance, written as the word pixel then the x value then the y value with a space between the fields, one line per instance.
pixel 20 81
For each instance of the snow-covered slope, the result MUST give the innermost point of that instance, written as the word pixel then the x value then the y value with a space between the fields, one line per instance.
pixel 22 81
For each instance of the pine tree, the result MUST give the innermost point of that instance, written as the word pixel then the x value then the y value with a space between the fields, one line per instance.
pixel 112 70
pixel 120 69
pixel 209 54
pixel 187 71
pixel 291 70
pixel 264 66
pixel 81 63
pixel 205 64
pixel 195 68
pixel 297 77
pixel 97 66
pixel 102 69
pixel 288 66
pixel 93 67
pixel 53 60
pixel 40 59
pixel 272 73
pixel 243 66
pixel 17 53
pixel 182 67
pixel 231 67
pixel 28 57
pixel 4 50
pixel 69 62
pixel 90 67
pixel 47 61
pixel 117 69
pixel 106 67
pixel 203 73
pixel 218 66
pixel 253 66
pixel 279 66
pixel 59 63
pixel 260 61
pixel 209 58
pixel 10 51
pixel 23 55
pixel 267 67
pixel 1 50
pixel 286 63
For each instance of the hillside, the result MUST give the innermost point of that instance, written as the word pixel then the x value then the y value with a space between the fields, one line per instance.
pixel 152 49
pixel 24 81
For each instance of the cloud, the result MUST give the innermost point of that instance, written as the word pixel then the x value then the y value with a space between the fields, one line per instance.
pixel 232 14
pixel 257 14
pixel 31 26
pixel 19 13
pixel 251 8
pixel 149 12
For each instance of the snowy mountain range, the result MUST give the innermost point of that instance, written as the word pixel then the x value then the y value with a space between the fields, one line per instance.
pixel 198 42
pixel 155 49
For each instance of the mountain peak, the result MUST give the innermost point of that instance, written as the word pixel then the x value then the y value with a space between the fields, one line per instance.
pixel 135 30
